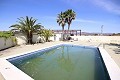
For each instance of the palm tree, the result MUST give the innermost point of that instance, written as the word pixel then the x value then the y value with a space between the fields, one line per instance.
pixel 28 27
pixel 70 15
pixel 46 34
pixel 61 21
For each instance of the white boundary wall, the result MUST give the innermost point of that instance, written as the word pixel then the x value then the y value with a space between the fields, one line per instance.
pixel 21 38
pixel 6 43
pixel 101 39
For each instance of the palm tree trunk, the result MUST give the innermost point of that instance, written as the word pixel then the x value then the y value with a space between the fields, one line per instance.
pixel 29 37
pixel 68 27
pixel 63 38
pixel 46 39
pixel 68 31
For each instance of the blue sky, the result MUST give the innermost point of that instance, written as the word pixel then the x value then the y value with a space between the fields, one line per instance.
pixel 90 14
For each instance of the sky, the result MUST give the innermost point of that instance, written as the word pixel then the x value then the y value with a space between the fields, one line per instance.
pixel 90 14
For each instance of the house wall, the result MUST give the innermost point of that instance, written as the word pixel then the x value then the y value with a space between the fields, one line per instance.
pixel 57 37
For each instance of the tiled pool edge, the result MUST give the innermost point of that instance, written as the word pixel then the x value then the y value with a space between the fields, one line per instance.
pixel 30 51
pixel 112 67
pixel 10 72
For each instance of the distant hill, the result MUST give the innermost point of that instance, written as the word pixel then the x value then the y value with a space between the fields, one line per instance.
pixel 96 34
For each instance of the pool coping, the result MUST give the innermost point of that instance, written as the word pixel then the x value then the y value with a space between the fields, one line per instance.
pixel 6 67
pixel 112 67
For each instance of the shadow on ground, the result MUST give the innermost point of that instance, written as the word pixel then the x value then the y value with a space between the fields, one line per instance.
pixel 117 49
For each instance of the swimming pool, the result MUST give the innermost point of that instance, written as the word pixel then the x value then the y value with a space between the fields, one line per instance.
pixel 63 62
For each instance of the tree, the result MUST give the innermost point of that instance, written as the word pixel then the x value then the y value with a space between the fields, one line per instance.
pixel 70 15
pixel 46 34
pixel 61 21
pixel 27 26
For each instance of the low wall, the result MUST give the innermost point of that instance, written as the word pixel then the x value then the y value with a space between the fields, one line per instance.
pixel 6 43
pixel 102 39
pixel 21 38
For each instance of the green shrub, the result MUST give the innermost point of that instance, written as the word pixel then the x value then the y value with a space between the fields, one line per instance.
pixel 6 35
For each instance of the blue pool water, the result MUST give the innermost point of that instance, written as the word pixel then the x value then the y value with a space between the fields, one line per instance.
pixel 63 62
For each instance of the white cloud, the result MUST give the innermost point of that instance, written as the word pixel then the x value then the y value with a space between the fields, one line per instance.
pixel 108 5
pixel 76 20
pixel 49 17
pixel 71 1
pixel 85 21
